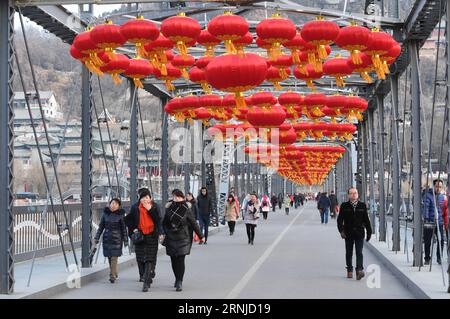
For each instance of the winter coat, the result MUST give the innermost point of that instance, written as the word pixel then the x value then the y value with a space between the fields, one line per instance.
pixel 265 204
pixel 251 212
pixel 147 249
pixel 194 208
pixel 353 221
pixel 274 200
pixel 428 207
pixel 114 232
pixel 324 202
pixel 179 223
pixel 204 205
pixel 231 211
pixel 287 201
pixel 333 201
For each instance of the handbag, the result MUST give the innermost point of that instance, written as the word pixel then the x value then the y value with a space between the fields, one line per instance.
pixel 137 237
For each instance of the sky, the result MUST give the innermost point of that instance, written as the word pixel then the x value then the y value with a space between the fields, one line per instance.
pixel 98 9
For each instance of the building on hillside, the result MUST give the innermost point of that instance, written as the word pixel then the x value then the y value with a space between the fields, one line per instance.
pixel 51 108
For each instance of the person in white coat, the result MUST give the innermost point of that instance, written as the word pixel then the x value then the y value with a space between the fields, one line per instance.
pixel 251 216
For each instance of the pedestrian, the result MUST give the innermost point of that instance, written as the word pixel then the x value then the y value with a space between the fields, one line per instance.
pixel 334 204
pixel 179 224
pixel 244 203
pixel 302 199
pixel 280 200
pixel 231 213
pixel 351 222
pixel 324 207
pixel 251 216
pixel 114 231
pixel 190 198
pixel 292 200
pixel 236 198
pixel 287 203
pixel 265 206
pixel 433 203
pixel 205 210
pixel 144 228
pixel 274 201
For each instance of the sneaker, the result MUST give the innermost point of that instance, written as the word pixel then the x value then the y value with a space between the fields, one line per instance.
pixel 359 275
pixel 349 274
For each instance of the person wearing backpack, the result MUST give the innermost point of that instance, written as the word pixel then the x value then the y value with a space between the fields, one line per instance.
pixel 179 224
pixel 265 206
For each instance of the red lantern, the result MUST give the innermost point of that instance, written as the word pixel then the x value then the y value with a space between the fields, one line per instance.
pixel 139 31
pixel 203 62
pixel 391 56
pixel 274 75
pixel 208 41
pixel 236 74
pixel 272 117
pixel 241 43
pixel 378 45
pixel 183 62
pixel 212 102
pixel 338 68
pixel 86 59
pixel 173 73
pixel 290 100
pixel 353 38
pixel 285 135
pixel 295 45
pixel 156 52
pixel 108 37
pixel 283 63
pixel 276 31
pixel 117 65
pixel 228 27
pixel 320 33
pixel 310 77
pixel 181 30
pixel 364 67
pixel 203 115
pixel 86 46
pixel 313 103
pixel 198 75
pixel 263 100
pixel 138 69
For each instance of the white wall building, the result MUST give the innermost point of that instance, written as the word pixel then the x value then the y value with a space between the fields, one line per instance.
pixel 51 108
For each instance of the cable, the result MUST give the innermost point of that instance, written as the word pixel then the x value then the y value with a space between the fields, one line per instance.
pixel 46 136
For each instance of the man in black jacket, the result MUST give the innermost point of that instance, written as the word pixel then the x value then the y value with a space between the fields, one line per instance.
pixel 205 209
pixel 351 221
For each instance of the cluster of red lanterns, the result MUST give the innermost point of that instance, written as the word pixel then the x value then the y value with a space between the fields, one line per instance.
pixel 163 52
pixel 304 164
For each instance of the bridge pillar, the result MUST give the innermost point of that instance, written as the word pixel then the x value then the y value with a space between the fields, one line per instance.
pixel 165 155
pixel 7 148
pixel 416 150
pixel 371 138
pixel 381 171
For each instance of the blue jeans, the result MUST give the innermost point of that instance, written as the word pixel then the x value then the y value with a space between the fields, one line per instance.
pixel 204 223
pixel 324 216
pixel 359 243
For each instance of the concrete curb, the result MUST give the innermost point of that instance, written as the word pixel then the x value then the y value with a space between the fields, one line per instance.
pixel 410 285
pixel 96 275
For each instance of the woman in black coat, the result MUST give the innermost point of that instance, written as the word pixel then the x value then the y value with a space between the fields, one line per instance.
pixel 144 217
pixel 178 224
pixel 114 234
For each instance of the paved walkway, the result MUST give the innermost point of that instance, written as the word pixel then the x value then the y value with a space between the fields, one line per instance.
pixel 293 257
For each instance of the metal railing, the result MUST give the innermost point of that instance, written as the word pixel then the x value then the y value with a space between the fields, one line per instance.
pixel 28 228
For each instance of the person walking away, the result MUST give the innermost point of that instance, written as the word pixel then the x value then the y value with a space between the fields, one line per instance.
pixel 205 209
pixel 429 219
pixel 334 204
pixel 324 207
pixel 231 213
pixel 274 201
pixel 302 199
pixel 114 231
pixel 179 224
pixel 280 200
pixel 353 218
pixel 251 216
pixel 265 206
pixel 287 203
pixel 144 218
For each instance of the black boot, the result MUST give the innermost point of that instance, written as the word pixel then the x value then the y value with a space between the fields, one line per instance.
pixel 179 285
pixel 147 277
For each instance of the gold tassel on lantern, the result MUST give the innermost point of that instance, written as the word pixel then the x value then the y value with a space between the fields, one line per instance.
pixel 209 50
pixel 240 101
pixel 356 58
pixel 163 69
pixel 138 83
pixel 169 85
pixel 277 85
pixel 295 56
pixel 340 81
pixel 91 67
pixel 322 52
pixel 229 46
pixel 366 77
pixel 184 73
pixel 310 84
pixel 117 80
pixel 386 68
pixel 206 88
pixel 182 48
pixel 380 74
pixel 283 73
